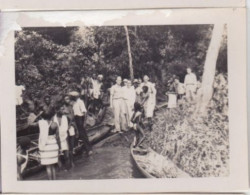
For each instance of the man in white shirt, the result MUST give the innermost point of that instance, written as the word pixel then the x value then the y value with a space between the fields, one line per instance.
pixel 79 110
pixel 129 100
pixel 190 83
pixel 116 103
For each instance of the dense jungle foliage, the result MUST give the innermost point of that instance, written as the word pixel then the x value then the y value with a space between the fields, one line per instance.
pixel 53 60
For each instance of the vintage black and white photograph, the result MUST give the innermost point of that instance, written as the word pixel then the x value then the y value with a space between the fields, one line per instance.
pixel 119 102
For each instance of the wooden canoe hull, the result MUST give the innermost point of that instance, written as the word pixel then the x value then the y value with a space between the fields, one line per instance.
pixel 178 174
pixel 143 171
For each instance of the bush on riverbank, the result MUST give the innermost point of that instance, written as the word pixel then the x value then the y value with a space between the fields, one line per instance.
pixel 197 144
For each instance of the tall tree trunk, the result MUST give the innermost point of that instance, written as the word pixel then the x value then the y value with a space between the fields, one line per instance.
pixel 129 54
pixel 210 67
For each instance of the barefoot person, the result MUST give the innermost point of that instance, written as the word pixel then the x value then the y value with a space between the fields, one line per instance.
pixel 137 124
pixel 49 142
pixel 190 83
pixel 116 103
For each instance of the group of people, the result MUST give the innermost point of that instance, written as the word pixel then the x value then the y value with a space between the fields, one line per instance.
pixel 190 88
pixel 62 123
pixel 131 102
pixel 60 126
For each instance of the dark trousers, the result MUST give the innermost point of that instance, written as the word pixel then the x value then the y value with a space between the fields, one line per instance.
pixel 82 132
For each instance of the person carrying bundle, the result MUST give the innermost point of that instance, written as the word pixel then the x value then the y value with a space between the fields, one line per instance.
pixel 137 124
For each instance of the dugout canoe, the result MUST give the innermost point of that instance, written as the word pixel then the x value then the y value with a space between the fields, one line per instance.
pixel 144 172
pixel 153 165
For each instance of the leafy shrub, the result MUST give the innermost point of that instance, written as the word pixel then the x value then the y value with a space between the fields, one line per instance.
pixel 198 144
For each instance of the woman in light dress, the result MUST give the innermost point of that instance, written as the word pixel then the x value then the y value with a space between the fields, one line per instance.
pixel 49 142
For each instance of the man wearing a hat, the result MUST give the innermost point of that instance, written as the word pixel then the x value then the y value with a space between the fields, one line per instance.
pixel 79 110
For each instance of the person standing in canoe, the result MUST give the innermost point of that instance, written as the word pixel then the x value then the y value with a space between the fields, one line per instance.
pixel 80 111
pixel 116 103
pixel 137 124
pixel 49 142
pixel 138 90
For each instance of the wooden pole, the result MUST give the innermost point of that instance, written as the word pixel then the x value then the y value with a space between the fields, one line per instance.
pixel 129 54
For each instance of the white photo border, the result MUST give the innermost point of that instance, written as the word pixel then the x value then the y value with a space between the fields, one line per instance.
pixel 236 26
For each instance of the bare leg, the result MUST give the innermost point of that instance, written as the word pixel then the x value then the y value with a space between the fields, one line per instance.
pixel 71 159
pixel 139 128
pixel 49 172
pixel 66 159
pixel 53 170
pixel 59 163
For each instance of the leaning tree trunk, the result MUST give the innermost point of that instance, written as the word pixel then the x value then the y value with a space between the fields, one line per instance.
pixel 210 67
pixel 129 54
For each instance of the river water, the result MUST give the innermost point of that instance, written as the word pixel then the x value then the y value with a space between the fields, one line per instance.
pixel 107 162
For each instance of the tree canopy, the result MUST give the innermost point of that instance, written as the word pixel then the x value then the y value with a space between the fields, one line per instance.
pixel 53 60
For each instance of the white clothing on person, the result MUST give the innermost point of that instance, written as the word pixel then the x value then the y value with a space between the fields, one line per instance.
pixel 79 108
pixel 151 102
pixel 47 144
pixel 190 83
pixel 96 88
pixel 172 100
pixel 19 92
pixel 179 88
pixel 63 131
pixel 117 103
pixel 129 96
